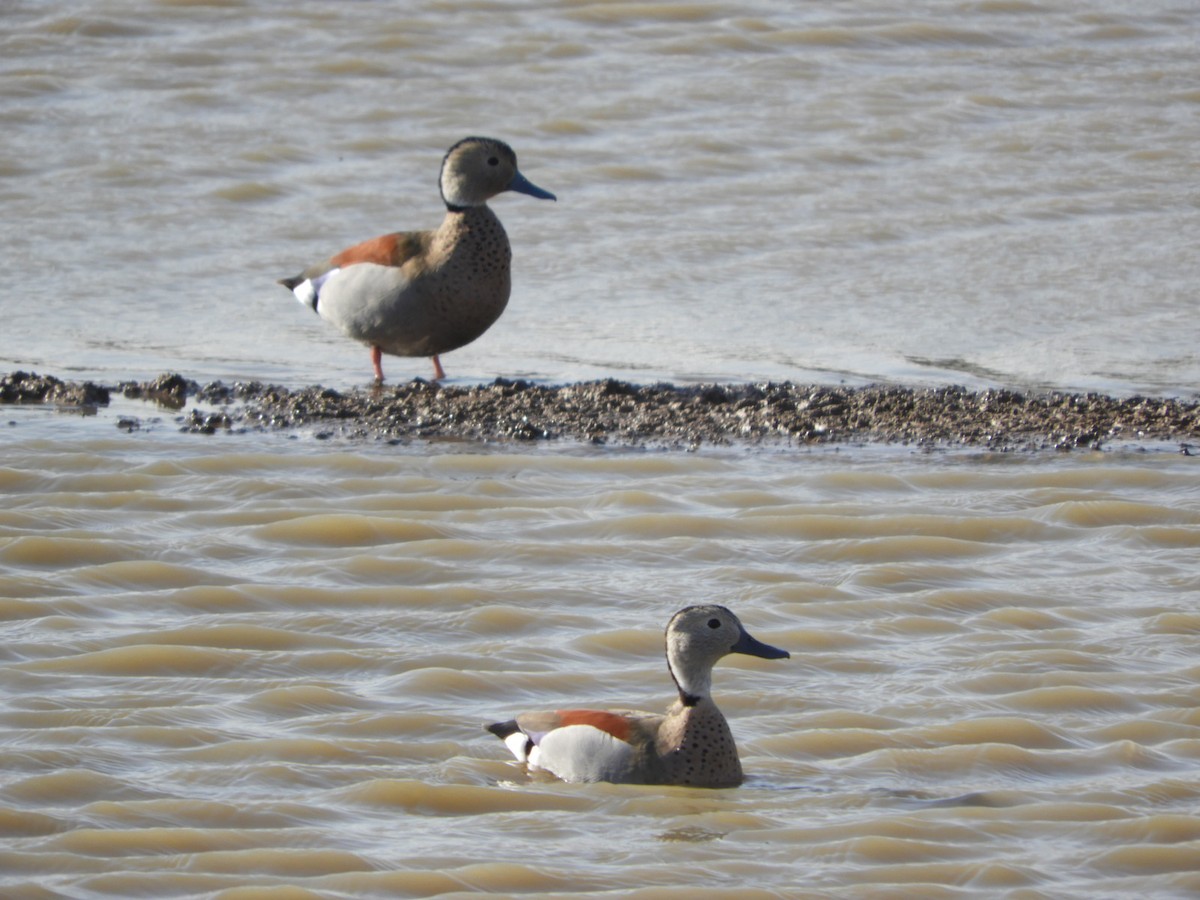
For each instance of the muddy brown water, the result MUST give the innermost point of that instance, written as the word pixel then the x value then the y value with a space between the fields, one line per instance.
pixel 257 661
pixel 263 660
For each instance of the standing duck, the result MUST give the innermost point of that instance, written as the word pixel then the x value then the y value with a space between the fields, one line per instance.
pixel 689 745
pixel 425 293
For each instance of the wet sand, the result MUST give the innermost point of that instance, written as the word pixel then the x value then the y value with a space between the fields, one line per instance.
pixel 623 414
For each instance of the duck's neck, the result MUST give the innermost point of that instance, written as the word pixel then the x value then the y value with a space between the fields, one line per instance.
pixel 453 208
pixel 694 686
pixel 470 229
pixel 459 217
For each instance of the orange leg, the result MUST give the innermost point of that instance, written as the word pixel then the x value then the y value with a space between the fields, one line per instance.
pixel 377 362
pixel 438 372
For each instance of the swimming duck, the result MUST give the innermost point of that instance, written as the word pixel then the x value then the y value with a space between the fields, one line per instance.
pixel 425 293
pixel 689 745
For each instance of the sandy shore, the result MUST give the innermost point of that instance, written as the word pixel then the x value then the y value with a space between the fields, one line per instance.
pixel 623 414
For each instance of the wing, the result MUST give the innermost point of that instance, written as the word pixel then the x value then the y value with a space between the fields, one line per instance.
pixel 387 250
pixel 576 744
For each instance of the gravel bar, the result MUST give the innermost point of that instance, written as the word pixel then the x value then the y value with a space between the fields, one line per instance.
pixel 619 413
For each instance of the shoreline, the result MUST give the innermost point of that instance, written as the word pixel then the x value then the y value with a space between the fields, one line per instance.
pixel 618 413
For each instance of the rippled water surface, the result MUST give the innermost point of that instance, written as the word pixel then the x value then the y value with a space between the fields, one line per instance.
pixel 248 663
pixel 257 662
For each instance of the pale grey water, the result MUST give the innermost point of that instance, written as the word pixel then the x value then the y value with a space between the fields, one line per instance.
pixel 259 662
pixel 992 192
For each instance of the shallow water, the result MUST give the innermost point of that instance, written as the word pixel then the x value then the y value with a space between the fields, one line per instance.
pixel 260 661
pixel 979 192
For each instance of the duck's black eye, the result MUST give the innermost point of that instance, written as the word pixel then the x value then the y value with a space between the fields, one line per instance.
pixel 493 161
pixel 714 623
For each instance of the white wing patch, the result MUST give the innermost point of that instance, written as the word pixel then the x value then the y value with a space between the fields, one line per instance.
pixel 309 290
pixel 517 742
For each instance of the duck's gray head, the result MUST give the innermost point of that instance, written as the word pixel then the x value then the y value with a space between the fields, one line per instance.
pixel 476 169
pixel 697 637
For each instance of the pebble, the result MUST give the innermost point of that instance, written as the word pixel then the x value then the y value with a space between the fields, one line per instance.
pixel 618 413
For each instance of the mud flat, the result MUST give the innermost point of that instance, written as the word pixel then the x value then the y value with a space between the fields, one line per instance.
pixel 623 414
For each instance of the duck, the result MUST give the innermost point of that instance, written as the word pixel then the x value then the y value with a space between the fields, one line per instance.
pixel 425 293
pixel 690 745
